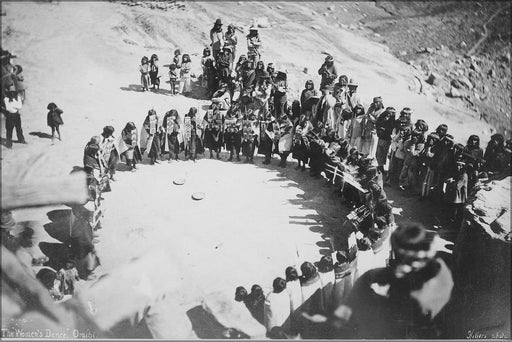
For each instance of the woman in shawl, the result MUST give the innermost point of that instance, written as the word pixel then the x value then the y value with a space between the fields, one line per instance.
pixel 232 134
pixel 149 136
pixel 276 311
pixel 128 146
pixel 172 134
pixel 356 127
pixel 308 91
pixel 54 119
pixel 144 73
pixel 193 143
pixel 213 130
pixel 185 83
pixel 300 150
pixel 109 151
pixel 369 131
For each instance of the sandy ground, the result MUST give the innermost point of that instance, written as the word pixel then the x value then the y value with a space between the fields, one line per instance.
pixel 254 220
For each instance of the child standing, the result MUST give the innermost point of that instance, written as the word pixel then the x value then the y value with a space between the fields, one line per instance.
pixel 144 73
pixel 173 78
pixel 185 85
pixel 177 58
pixel 54 119
pixel 68 276
pixel 153 72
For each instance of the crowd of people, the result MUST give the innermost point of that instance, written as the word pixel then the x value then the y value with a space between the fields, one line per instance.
pixel 358 150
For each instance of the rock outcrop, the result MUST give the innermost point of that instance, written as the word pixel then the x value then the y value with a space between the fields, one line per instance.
pixel 481 265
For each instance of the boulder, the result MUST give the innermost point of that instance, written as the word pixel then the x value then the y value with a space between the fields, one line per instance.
pixel 481 262
pixel 432 78
pixel 454 92
pixel 261 22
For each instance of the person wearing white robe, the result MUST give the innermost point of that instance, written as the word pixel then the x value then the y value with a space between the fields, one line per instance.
pixel 276 312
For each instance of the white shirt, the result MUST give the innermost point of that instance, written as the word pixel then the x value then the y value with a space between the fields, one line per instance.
pixel 13 106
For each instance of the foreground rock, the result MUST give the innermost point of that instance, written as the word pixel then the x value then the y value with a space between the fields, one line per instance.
pixel 482 257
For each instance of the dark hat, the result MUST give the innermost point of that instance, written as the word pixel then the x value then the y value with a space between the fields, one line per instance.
pixel 51 106
pixel 218 22
pixel 413 241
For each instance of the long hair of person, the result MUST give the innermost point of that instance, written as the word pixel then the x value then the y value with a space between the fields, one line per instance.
pixel 358 107
pixel 291 274
pixel 473 141
pixel 185 58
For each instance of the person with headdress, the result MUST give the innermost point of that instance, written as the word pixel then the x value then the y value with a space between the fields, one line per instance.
pixel 12 105
pixel 213 130
pixel 144 73
pixel 54 119
pixel 231 41
pixel 216 38
pixel 409 176
pixel 300 149
pixel 172 137
pixel 369 132
pixel 277 306
pixel 494 153
pixel 384 128
pixel 109 151
pixel 185 83
pixel 192 139
pixel 401 132
pixel 232 133
pixel 128 146
pixel 253 45
pixel 328 72
pixel 285 139
pixel 356 127
pixel 402 300
pixel 153 72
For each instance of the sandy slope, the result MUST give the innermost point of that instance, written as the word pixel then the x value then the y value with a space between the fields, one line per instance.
pixel 84 57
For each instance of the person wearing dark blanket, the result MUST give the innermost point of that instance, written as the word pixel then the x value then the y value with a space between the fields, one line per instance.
pixel 153 72
pixel 403 300
pixel 300 149
pixel 328 72
pixel 149 137
pixel 131 152
pixel 54 119
pixel 172 134
pixel 232 134
pixel 213 131
pixel 91 155
pixel 267 139
pixel 194 144
pixel 255 302
pixel 280 98
pixel 109 150
pixel 249 137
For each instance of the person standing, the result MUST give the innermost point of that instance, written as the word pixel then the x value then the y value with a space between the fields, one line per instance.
pixel 231 41
pixel 232 134
pixel 193 143
pixel 216 38
pixel 324 111
pixel 412 147
pixel 308 91
pixel 355 130
pixel 384 127
pixel 328 72
pixel 12 107
pixel 108 150
pixel 150 141
pixel 280 95
pixel 253 45
pixel 185 83
pixel 368 135
pixel 207 58
pixel 173 78
pixel 213 131
pixel 352 96
pixel 144 73
pixel 128 146
pixel 153 72
pixel 54 119
pixel 276 312
pixel 300 149
pixel 285 139
pixel 172 134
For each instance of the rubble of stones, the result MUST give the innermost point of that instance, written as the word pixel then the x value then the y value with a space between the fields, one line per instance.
pixel 469 78
pixel 156 5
